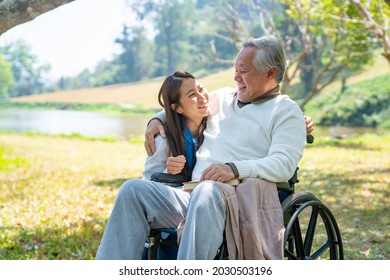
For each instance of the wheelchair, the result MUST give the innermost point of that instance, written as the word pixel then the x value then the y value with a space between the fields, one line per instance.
pixel 311 230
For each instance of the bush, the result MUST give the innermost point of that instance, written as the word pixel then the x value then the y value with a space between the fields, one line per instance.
pixel 362 104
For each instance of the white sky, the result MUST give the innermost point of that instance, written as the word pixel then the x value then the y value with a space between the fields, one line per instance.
pixel 74 36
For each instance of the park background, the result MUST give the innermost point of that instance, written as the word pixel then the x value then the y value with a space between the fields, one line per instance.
pixel 67 143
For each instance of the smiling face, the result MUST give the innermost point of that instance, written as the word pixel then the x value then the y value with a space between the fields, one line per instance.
pixel 193 101
pixel 251 84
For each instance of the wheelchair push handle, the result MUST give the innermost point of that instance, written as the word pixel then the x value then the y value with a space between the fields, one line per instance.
pixel 310 139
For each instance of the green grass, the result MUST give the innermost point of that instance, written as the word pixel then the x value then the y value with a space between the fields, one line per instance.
pixel 55 204
pixel 56 192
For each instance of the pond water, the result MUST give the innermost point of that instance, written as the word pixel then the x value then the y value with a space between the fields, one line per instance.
pixel 104 125
pixel 88 124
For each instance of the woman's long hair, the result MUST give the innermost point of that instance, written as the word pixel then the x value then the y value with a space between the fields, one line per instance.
pixel 176 123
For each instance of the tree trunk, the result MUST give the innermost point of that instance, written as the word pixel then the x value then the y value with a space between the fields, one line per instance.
pixel 15 12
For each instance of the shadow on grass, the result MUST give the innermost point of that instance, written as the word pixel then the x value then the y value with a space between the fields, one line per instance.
pixel 359 202
pixel 113 183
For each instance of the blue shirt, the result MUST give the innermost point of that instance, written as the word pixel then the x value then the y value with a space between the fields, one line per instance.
pixel 189 142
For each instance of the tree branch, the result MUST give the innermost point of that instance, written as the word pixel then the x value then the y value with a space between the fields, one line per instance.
pixel 15 12
pixel 379 31
pixel 214 54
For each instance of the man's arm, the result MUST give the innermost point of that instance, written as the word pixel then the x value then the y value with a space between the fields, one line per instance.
pixel 154 127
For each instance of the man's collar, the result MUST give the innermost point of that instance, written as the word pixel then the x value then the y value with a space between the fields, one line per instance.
pixel 265 97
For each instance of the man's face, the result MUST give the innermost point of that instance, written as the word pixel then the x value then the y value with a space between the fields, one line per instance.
pixel 251 84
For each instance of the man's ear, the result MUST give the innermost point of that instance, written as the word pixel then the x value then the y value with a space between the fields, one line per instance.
pixel 272 73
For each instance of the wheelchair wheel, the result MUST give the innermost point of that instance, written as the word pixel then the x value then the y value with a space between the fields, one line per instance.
pixel 311 229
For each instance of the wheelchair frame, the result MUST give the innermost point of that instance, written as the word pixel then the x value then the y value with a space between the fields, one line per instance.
pixel 302 213
pixel 311 231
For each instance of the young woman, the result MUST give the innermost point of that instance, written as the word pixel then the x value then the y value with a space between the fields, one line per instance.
pixel 185 102
pixel 142 204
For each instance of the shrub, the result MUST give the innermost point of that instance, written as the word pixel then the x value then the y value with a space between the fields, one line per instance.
pixel 362 104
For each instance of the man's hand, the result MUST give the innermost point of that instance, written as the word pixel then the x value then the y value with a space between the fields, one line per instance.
pixel 175 164
pixel 309 124
pixel 154 127
pixel 218 172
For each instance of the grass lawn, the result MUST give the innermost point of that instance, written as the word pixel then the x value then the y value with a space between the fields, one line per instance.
pixel 56 193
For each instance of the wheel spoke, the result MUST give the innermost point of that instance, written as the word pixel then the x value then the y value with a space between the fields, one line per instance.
pixel 309 237
pixel 289 255
pixel 320 251
pixel 305 213
pixel 298 240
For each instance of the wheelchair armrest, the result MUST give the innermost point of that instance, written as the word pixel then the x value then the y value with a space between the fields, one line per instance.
pixel 284 187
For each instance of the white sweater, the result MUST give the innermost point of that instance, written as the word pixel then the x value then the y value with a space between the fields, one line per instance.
pixel 264 140
pixel 158 161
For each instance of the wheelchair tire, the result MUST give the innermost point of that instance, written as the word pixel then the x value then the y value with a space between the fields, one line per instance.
pixel 311 229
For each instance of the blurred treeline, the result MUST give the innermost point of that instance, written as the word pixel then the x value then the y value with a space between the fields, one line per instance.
pixel 325 41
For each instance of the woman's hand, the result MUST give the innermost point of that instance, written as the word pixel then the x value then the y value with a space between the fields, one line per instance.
pixel 175 164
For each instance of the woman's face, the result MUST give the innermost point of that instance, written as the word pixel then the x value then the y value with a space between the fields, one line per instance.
pixel 194 100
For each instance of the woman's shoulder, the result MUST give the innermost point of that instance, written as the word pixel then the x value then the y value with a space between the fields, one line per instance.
pixel 157 161
pixel 159 139
pixel 160 143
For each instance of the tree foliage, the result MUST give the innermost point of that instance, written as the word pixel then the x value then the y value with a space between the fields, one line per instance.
pixel 375 16
pixel 173 20
pixel 137 59
pixel 27 72
pixel 332 46
pixel 6 80
pixel 323 40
